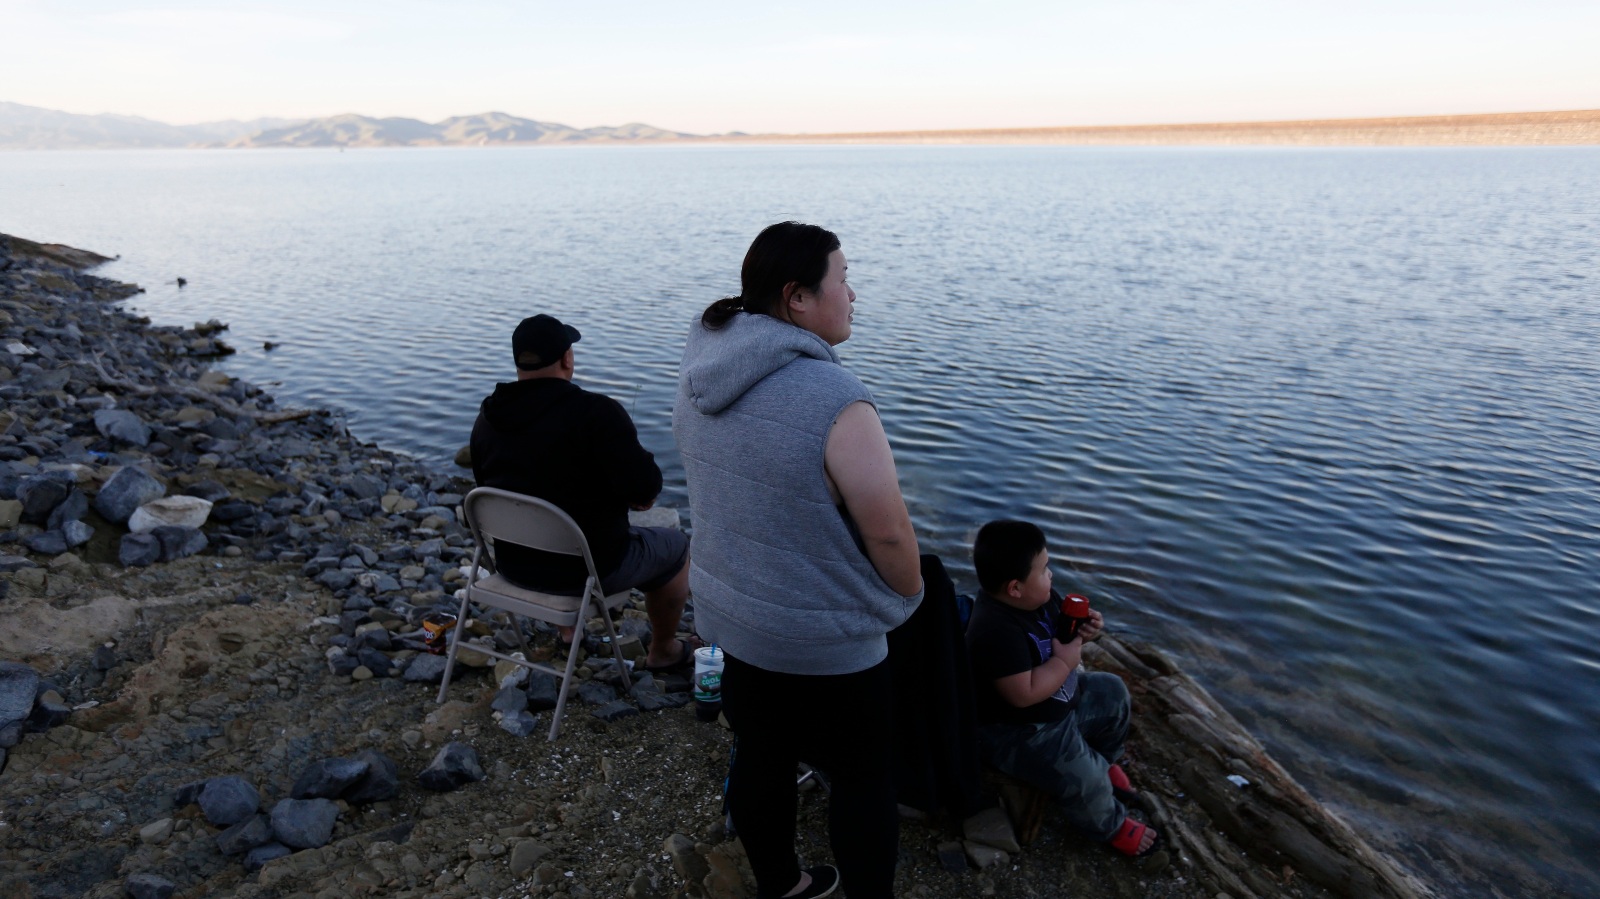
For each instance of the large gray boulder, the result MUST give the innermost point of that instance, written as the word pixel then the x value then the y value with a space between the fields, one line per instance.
pixel 426 669
pixel 138 550
pixel 41 494
pixel 519 723
pixel 343 663
pixel 376 661
pixel 381 782
pixel 543 689
pixel 365 486
pixel 178 542
pixel 509 700
pixel 55 542
pixel 127 490
pixel 49 543
pixel 304 823
pixel 253 831
pixel 337 578
pixel 225 801
pixel 19 685
pixel 456 764
pixel 76 533
pixel 327 778
pixel 375 637
pixel 73 508
pixel 122 425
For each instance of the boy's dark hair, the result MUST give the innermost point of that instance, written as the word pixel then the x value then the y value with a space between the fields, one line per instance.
pixel 1004 552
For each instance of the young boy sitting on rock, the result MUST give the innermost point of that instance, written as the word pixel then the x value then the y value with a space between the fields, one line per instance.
pixel 1042 719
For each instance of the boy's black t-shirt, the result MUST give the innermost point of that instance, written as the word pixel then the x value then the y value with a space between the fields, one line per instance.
pixel 1003 640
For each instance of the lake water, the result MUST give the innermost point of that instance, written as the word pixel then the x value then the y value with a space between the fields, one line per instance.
pixel 1324 423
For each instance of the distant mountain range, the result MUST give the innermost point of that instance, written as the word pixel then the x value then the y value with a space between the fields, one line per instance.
pixel 33 128
pixel 472 130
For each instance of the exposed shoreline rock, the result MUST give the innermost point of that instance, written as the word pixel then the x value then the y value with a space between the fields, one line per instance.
pixel 272 648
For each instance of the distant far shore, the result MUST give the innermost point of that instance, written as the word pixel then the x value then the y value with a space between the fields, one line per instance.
pixel 1570 127
pixel 33 128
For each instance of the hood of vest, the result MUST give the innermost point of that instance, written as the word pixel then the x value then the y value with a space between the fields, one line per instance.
pixel 720 365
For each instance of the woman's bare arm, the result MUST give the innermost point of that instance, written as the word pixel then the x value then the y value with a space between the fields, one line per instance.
pixel 860 466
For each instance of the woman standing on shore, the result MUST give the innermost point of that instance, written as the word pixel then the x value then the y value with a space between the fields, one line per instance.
pixel 804 558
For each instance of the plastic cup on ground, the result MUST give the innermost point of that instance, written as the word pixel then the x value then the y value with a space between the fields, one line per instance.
pixel 708 663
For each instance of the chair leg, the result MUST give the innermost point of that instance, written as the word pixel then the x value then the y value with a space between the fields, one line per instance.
pixel 522 640
pixel 616 650
pixel 450 655
pixel 572 665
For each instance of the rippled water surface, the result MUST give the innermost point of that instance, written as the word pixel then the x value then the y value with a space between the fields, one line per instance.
pixel 1322 422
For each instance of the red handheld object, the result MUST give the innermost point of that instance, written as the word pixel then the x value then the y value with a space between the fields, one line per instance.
pixel 1075 606
pixel 1074 611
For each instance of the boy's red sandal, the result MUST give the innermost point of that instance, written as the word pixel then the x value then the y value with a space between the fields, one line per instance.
pixel 1121 787
pixel 1129 836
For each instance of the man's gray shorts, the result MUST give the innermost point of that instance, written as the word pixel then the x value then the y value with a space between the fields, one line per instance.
pixel 653 557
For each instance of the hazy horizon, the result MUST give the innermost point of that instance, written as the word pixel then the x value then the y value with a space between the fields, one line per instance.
pixel 246 119
pixel 830 68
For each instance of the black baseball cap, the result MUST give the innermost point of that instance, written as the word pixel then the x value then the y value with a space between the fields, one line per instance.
pixel 541 340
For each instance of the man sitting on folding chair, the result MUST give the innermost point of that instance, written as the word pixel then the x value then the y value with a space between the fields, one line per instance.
pixel 543 436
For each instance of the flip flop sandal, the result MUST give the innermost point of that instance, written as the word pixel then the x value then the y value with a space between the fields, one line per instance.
pixel 685 658
pixel 1128 836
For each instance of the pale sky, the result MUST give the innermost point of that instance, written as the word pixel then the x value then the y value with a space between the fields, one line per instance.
pixel 719 66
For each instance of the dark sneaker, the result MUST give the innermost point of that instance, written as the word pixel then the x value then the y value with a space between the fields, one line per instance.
pixel 824 880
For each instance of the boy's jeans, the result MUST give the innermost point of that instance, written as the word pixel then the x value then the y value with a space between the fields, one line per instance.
pixel 1069 758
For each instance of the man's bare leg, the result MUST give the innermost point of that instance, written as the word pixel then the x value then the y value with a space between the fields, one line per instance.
pixel 664 605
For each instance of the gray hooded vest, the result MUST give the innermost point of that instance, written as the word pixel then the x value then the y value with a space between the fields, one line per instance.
pixel 777 571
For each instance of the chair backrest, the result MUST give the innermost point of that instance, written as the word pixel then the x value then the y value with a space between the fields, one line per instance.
pixel 523 520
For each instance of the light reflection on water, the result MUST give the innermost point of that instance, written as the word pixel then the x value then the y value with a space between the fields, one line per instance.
pixel 1323 422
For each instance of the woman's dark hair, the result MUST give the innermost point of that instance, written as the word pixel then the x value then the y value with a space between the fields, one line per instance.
pixel 1004 552
pixel 785 253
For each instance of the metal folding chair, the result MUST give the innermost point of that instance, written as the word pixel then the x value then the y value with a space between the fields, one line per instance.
pixel 496 515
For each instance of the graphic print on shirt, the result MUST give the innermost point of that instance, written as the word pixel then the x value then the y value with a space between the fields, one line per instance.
pixel 1042 644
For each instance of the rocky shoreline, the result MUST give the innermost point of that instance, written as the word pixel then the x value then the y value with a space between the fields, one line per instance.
pixel 213 679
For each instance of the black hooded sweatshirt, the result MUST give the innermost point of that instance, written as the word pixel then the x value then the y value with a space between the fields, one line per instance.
pixel 549 438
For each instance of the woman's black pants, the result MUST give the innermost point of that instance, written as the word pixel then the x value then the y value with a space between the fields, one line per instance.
pixel 842 724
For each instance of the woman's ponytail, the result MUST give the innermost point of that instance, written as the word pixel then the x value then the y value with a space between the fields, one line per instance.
pixel 717 314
